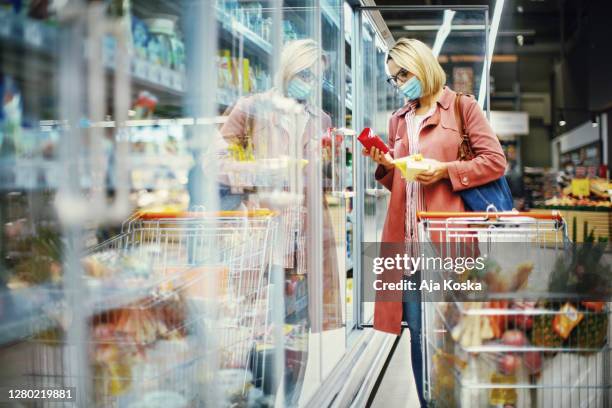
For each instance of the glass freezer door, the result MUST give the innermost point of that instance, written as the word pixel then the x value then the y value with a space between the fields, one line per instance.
pixel 459 38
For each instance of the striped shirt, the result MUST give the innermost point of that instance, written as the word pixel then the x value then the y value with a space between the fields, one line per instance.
pixel 415 200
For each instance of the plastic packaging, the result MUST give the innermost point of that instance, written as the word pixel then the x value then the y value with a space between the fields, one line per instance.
pixel 413 165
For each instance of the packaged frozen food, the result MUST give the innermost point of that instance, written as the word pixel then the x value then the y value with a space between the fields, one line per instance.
pixel 564 323
pixel 413 165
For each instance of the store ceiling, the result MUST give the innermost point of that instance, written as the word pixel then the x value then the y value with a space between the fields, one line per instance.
pixel 529 37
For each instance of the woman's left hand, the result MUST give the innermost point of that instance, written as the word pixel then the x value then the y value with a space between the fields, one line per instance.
pixel 438 172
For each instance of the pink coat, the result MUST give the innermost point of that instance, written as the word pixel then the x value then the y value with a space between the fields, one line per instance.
pixel 254 120
pixel 439 139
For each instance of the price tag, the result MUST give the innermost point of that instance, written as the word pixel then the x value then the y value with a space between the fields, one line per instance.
pixel 581 187
pixel 33 34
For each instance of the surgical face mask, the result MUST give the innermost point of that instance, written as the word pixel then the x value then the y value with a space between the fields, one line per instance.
pixel 298 89
pixel 412 89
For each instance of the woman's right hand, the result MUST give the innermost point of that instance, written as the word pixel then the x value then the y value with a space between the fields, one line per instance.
pixel 384 159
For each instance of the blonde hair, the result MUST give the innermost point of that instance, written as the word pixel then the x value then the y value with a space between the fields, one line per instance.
pixel 417 58
pixel 297 56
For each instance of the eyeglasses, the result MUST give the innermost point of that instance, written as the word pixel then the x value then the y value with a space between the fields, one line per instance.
pixel 394 80
pixel 307 75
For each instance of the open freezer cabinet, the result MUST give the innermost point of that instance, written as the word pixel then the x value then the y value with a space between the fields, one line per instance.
pixel 373 102
pixel 167 196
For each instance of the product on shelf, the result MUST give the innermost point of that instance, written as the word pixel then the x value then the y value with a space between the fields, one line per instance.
pixel 140 37
pixel 11 113
pixel 596 195
pixel 144 106
pixel 167 50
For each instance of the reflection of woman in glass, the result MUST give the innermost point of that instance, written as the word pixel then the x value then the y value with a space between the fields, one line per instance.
pixel 427 124
pixel 268 126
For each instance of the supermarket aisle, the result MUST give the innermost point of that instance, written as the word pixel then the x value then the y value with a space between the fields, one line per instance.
pixel 397 389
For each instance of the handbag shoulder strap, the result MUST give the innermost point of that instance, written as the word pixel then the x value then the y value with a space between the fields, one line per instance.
pixel 465 148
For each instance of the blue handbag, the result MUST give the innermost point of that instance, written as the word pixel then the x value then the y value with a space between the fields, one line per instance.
pixel 495 194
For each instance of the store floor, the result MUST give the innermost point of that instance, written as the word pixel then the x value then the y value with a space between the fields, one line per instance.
pixel 397 388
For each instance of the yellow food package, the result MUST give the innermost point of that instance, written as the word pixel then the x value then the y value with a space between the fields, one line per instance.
pixel 566 320
pixel 503 395
pixel 413 165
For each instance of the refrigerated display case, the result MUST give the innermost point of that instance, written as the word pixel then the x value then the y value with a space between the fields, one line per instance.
pixel 142 142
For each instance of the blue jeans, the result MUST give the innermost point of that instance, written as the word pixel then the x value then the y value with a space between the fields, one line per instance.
pixel 412 316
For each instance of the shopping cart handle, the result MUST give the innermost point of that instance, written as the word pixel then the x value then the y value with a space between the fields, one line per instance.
pixel 158 215
pixel 553 215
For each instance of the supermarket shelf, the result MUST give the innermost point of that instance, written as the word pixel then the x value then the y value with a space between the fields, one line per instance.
pixel 230 26
pixel 28 32
pixel 150 75
pixel 42 37
pixel 41 174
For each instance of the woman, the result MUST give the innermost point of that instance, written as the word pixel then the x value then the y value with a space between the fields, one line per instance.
pixel 426 124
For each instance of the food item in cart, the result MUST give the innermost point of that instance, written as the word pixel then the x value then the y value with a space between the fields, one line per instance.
pixel 514 338
pixel 498 322
pixel 130 264
pixel 503 397
pixel 369 139
pixel 542 333
pixel 472 329
pixel 139 325
pixel 508 363
pixel 594 306
pixel 112 371
pixel 533 361
pixel 95 268
pixel 591 332
pixel 413 165
pixel 499 281
pixel 566 320
pixel 522 321
pixel 521 276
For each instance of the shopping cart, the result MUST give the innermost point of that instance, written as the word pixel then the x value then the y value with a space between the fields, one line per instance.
pixel 518 344
pixel 175 305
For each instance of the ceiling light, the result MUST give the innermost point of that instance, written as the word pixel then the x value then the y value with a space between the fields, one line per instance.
pixel 520 40
pixel 519 8
pixel 443 32
pixel 484 77
pixel 562 121
pixel 435 27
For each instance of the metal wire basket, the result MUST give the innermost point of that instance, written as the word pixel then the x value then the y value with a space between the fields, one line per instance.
pixel 509 346
pixel 175 304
